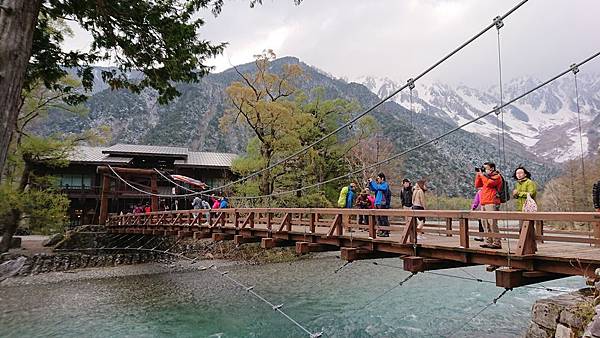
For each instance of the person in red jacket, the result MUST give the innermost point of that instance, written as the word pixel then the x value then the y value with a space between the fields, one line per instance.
pixel 490 183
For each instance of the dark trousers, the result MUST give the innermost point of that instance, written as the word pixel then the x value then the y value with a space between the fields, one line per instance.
pixel 382 220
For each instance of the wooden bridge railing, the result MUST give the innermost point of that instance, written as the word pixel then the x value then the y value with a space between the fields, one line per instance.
pixel 528 228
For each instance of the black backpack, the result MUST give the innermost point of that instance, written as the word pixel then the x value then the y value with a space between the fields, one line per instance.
pixel 388 197
pixel 504 191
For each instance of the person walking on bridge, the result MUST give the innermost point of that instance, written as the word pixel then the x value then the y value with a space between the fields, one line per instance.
pixel 383 198
pixel 596 196
pixel 490 182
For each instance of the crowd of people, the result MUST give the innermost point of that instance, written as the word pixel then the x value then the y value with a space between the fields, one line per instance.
pixel 491 191
pixel 199 202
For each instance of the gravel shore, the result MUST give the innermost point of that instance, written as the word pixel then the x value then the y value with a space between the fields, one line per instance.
pixel 111 272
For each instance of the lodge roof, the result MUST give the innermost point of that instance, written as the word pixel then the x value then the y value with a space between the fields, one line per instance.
pixel 125 153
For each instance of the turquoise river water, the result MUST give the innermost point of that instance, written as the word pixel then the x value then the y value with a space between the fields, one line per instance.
pixel 204 304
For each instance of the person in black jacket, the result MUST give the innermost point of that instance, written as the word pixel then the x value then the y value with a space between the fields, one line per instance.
pixel 406 194
pixel 596 196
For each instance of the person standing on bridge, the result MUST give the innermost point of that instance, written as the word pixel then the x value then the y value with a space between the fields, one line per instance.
pixel 196 204
pixel 216 203
pixel 476 205
pixel 347 196
pixel 406 194
pixel 206 206
pixel 524 187
pixel 418 203
pixel 383 199
pixel 490 181
pixel 224 203
pixel 363 202
pixel 596 196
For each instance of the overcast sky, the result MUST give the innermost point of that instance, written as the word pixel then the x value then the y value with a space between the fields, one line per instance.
pixel 400 39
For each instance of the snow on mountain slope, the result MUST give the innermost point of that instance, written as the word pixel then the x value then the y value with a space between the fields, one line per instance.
pixel 545 121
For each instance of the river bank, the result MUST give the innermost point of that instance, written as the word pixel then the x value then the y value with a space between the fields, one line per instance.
pixel 89 250
pixel 176 297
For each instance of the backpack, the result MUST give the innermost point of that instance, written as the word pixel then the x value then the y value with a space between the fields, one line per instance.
pixel 387 196
pixel 342 199
pixel 504 191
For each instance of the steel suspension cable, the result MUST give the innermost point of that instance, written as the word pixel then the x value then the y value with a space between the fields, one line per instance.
pixel 575 70
pixel 353 120
pixel 224 274
pixel 472 278
pixel 433 140
pixel 175 183
pixel 493 302
pixel 382 101
pixel 501 131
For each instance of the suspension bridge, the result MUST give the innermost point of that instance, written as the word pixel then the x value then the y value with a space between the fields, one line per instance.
pixel 533 248
pixel 530 253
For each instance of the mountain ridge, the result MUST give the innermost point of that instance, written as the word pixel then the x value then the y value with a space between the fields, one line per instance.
pixel 192 120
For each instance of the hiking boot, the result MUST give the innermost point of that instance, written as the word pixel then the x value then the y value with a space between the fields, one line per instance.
pixel 478 239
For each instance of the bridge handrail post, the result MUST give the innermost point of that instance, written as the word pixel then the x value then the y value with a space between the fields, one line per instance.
pixel 448 226
pixel 372 221
pixel 527 245
pixel 596 232
pixel 539 231
pixel 463 224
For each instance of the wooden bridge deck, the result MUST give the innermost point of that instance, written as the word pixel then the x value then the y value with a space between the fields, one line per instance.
pixel 538 250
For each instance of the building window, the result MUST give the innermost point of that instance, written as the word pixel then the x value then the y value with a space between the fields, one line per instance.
pixel 75 181
pixel 87 181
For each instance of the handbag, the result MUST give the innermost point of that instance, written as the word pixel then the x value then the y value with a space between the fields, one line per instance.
pixel 530 205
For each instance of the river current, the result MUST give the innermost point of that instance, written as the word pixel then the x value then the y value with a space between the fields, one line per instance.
pixel 354 302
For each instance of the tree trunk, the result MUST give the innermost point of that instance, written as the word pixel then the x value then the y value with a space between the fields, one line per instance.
pixel 12 222
pixel 265 186
pixel 18 19
pixel 9 229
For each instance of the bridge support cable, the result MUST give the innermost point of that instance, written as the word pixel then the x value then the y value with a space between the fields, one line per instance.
pixel 411 86
pixel 493 302
pixel 431 141
pixel 501 129
pixel 391 158
pixel 575 70
pixel 369 110
pixel 472 277
pixel 387 291
pixel 224 274
pixel 177 184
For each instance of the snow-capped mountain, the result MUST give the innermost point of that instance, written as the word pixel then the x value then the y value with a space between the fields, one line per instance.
pixel 545 121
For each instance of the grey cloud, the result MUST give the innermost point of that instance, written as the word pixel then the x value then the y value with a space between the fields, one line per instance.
pixel 399 39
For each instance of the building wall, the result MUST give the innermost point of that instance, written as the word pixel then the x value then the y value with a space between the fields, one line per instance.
pixel 83 185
